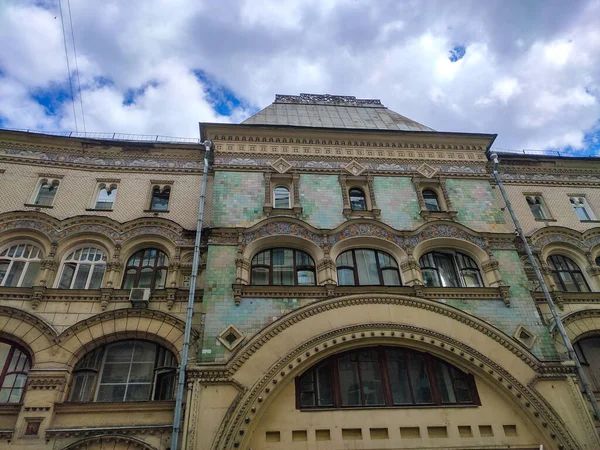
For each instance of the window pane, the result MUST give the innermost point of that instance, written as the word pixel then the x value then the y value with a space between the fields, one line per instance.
pixel 390 277
pixel 430 278
pixel 446 270
pixel 303 259
pixel 580 281
pixel 345 277
pixel 366 267
pixel 471 278
pixel 357 200
pixel 462 386
pixel 138 392
pixel 145 280
pixel 371 378
pixel 345 259
pixel 283 267
pixel 444 382
pixel 282 197
pixel 14 275
pixel 349 381
pixel 67 276
pixel 115 372
pixel 3 268
pixel 83 385
pixel 82 276
pixel 32 270
pixel 97 276
pixel 419 379
pixel 386 260
pixel 141 372
pixel 165 384
pixel 431 200
pixel 582 213
pixel 306 277
pixel 121 352
pixel 398 378
pixel 111 393
pixel 260 275
pixel 129 279
pixel 161 279
pixel 568 281
pixel 4 351
pixel 324 385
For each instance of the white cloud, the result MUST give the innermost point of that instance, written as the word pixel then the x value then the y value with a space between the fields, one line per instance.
pixel 535 83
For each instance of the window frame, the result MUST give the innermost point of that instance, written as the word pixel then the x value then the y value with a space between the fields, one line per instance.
pixel 583 206
pixel 47 180
pixel 289 196
pixel 363 196
pixel 140 267
pixel 380 269
pixel 4 372
pixel 543 208
pixel 27 262
pixel 296 267
pixel 113 187
pixel 558 280
pixel 435 197
pixel 161 187
pixel 456 266
pixel 97 368
pixel 93 264
pixel 431 364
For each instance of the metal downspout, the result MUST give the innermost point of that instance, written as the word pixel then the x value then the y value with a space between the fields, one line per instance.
pixel 190 305
pixel 557 320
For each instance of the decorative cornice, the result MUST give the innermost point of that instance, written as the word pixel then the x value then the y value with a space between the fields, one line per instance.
pixel 585 241
pixel 97 435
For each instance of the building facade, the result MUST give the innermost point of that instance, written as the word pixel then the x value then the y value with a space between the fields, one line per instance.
pixel 360 287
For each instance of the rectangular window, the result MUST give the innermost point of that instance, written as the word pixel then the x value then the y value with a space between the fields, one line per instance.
pixel 160 198
pixel 581 208
pixel 538 207
pixel 106 194
pixel 46 192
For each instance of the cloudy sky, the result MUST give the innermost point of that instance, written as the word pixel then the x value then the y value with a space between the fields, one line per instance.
pixel 527 70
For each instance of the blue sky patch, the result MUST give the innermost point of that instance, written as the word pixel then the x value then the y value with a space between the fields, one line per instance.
pixel 222 99
pixel 591 144
pixel 457 53
pixel 52 97
pixel 131 95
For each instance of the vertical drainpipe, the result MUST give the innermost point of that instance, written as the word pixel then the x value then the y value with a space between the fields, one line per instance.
pixel 557 320
pixel 190 306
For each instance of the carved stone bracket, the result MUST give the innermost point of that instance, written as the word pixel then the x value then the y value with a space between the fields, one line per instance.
pixel 37 296
pixel 558 298
pixel 105 297
pixel 505 293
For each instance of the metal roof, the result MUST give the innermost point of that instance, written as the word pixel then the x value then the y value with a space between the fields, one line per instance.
pixel 332 111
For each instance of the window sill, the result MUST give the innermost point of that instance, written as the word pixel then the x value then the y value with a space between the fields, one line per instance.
pixel 331 290
pixel 435 215
pixel 114 407
pixel 270 211
pixel 9 409
pixel 155 211
pixel 545 220
pixel 590 221
pixel 32 205
pixel 570 297
pixel 351 213
pixel 99 209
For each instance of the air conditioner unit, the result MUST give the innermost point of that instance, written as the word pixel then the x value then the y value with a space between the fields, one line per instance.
pixel 139 297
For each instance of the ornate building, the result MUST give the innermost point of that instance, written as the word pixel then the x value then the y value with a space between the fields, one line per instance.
pixel 360 287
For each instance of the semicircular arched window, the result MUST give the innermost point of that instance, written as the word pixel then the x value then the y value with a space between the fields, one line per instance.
pixel 14 365
pixel 19 265
pixel 283 266
pixel 384 377
pixel 83 269
pixel 366 267
pixel 147 268
pixel 125 371
pixel 567 274
pixel 449 268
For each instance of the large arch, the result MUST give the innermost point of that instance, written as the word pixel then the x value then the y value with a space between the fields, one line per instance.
pixel 110 442
pixel 271 359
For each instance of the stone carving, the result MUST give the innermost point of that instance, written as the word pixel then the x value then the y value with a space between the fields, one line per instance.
pixel 427 171
pixel 355 168
pixel 346 100
pixel 281 165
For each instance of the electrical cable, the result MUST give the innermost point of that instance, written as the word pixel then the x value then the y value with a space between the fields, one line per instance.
pixel 76 65
pixel 62 21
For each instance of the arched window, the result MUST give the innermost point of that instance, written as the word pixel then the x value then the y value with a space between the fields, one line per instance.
pixel 358 201
pixel 588 352
pixel 14 365
pixel 83 269
pixel 107 194
pixel 160 198
pixel 431 200
pixel 281 197
pixel 283 266
pixel 19 265
pixel 147 268
pixel 449 269
pixel 126 371
pixel 365 267
pixel 384 376
pixel 567 274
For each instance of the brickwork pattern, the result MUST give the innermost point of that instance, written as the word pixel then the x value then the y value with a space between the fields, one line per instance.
pixel 321 200
pixel 474 202
pixel 238 199
pixel 557 203
pixel 397 199
pixel 78 187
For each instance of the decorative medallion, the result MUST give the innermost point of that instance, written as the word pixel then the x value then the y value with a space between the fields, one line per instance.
pixel 355 168
pixel 281 165
pixel 427 171
pixel 231 337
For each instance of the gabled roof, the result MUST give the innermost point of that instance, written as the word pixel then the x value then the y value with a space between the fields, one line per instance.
pixel 332 111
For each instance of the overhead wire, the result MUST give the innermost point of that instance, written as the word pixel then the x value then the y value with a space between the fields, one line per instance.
pixel 62 21
pixel 76 65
